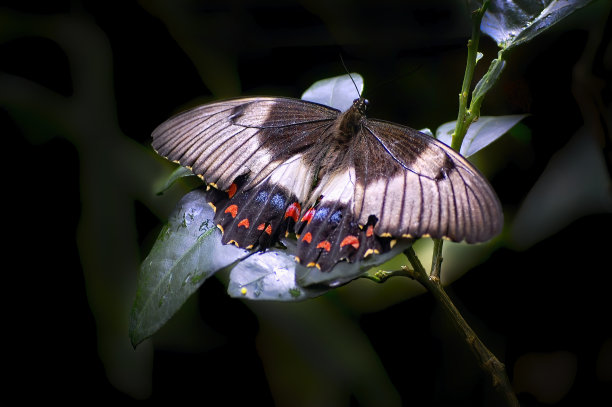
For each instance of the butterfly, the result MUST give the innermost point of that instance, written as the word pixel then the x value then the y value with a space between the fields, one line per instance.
pixel 346 186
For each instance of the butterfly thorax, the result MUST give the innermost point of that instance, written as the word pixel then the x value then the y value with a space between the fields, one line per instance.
pixel 338 138
pixel 349 123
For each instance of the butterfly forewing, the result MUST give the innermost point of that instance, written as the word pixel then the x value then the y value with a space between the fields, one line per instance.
pixel 347 186
pixel 425 188
pixel 224 140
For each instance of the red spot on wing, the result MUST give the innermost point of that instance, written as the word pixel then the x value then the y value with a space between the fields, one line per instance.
pixel 293 211
pixel 324 245
pixel 308 215
pixel 307 238
pixel 232 190
pixel 244 222
pixel 232 210
pixel 262 226
pixel 350 240
pixel 370 231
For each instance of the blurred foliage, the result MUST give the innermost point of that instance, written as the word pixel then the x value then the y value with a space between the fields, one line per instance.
pixel 82 84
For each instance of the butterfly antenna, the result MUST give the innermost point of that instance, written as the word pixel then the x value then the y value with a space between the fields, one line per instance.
pixel 349 74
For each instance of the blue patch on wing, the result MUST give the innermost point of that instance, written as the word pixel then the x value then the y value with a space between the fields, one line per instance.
pixel 336 217
pixel 320 213
pixel 278 201
pixel 262 196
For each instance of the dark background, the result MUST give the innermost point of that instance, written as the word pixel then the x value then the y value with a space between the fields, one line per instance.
pixel 82 85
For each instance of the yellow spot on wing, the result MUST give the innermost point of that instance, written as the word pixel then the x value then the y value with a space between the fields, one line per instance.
pixel 213 206
pixel 243 291
pixel 313 264
pixel 220 228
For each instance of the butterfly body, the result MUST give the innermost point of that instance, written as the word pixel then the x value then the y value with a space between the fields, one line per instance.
pixel 346 186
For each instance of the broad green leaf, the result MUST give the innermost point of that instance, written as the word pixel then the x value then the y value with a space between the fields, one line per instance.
pixel 337 92
pixel 481 133
pixel 269 276
pixel 188 250
pixel 513 22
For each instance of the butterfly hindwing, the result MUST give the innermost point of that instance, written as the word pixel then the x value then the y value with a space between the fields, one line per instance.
pixel 258 214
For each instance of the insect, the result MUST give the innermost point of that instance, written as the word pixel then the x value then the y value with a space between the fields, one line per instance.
pixel 345 185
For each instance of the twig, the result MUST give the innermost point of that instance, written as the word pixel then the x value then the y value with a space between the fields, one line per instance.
pixel 383 275
pixel 487 360
pixel 436 261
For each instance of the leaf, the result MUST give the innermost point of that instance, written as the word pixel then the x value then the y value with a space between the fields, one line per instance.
pixel 269 276
pixel 344 272
pixel 338 92
pixel 188 250
pixel 177 174
pixel 427 131
pixel 575 183
pixel 513 22
pixel 487 81
pixel 481 133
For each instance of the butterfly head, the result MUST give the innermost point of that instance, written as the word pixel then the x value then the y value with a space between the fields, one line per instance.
pixel 361 105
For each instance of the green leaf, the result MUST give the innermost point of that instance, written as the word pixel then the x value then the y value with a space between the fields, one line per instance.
pixel 269 276
pixel 481 133
pixel 337 92
pixel 487 81
pixel 188 250
pixel 178 173
pixel 575 183
pixel 513 22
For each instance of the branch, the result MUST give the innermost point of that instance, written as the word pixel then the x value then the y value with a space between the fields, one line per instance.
pixel 487 360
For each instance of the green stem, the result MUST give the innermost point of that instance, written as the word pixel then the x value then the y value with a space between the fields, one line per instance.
pixel 383 275
pixel 465 116
pixel 487 360
pixel 436 261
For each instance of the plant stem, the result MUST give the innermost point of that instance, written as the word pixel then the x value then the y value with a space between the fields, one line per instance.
pixel 436 261
pixel 465 116
pixel 383 275
pixel 487 360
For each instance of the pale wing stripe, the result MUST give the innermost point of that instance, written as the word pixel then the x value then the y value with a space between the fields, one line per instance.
pixel 227 159
pixel 173 130
pixel 207 132
pixel 183 137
